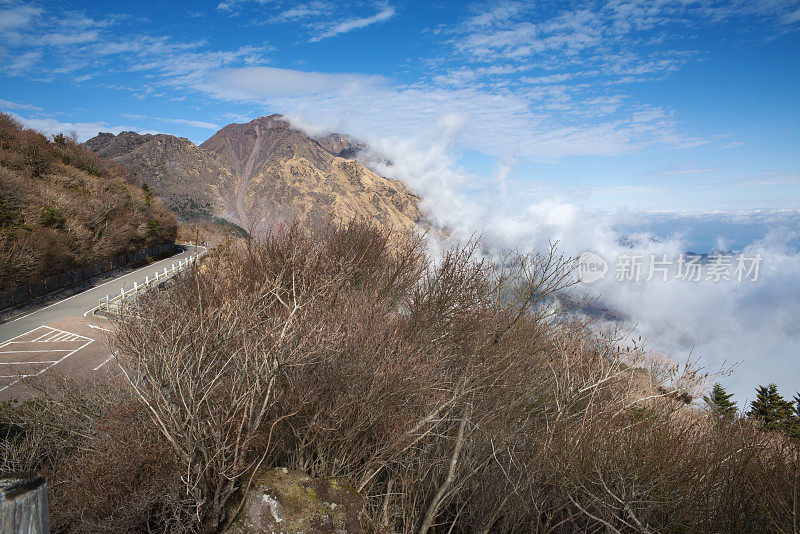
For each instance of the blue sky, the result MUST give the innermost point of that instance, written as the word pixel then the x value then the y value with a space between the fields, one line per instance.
pixel 654 105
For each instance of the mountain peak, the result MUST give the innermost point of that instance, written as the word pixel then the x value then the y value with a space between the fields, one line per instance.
pixel 261 174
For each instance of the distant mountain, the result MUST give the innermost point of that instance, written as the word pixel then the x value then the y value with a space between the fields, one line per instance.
pixel 262 174
pixel 186 177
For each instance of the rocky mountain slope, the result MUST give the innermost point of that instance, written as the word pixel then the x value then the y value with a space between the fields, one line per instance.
pixel 183 175
pixel 261 175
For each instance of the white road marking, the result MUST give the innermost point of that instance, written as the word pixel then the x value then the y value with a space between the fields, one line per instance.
pixel 50 363
pixel 99 328
pixel 105 362
pixel 26 363
pixel 33 350
pixel 38 338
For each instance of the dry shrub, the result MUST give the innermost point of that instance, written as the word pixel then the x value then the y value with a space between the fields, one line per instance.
pixel 108 469
pixel 62 207
pixel 457 395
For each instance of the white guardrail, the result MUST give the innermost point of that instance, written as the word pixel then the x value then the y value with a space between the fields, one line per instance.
pixel 114 303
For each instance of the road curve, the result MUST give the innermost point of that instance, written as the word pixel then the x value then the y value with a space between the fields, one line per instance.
pixel 77 305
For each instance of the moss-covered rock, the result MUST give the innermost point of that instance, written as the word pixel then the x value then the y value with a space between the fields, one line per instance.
pixel 291 502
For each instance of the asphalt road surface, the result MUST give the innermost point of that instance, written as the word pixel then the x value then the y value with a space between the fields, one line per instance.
pixel 66 337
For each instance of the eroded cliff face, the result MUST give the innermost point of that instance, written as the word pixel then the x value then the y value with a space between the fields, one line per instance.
pixel 260 175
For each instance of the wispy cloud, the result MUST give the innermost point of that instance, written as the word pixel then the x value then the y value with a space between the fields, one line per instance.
pixel 304 11
pixel 185 122
pixel 22 63
pixel 679 172
pixel 259 83
pixel 356 23
pixel 17 17
pixel 194 124
pixel 61 39
pixel 8 104
pixel 85 130
pixel 503 125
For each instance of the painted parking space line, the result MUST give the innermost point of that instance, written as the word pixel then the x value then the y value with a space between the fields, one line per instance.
pixel 45 337
pixel 105 362
pixel 28 363
pixel 33 350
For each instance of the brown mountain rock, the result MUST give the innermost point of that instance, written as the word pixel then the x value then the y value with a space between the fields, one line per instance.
pixel 261 175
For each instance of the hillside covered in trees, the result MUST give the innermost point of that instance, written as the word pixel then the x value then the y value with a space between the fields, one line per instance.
pixel 61 207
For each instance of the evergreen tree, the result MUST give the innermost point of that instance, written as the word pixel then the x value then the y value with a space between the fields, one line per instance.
pixel 794 431
pixel 797 405
pixel 720 403
pixel 770 407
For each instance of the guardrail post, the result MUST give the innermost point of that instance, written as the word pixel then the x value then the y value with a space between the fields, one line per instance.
pixel 23 503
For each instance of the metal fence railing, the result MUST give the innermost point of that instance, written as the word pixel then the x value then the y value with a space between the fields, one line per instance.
pixel 113 304
pixel 31 290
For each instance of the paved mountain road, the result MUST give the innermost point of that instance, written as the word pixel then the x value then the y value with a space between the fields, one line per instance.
pixel 65 336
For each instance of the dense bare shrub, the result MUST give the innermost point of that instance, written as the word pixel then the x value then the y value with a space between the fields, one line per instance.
pixel 108 468
pixel 457 395
pixel 61 207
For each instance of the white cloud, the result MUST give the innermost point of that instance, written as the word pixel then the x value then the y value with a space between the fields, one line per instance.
pixel 8 104
pixel 62 39
pixel 22 63
pixel 677 172
pixel 194 124
pixel 17 17
pixel 85 130
pixel 792 17
pixel 753 323
pixel 355 24
pixel 186 122
pixel 303 11
pixel 258 83
pixel 498 13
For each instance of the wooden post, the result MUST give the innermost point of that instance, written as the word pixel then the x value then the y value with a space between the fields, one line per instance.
pixel 23 503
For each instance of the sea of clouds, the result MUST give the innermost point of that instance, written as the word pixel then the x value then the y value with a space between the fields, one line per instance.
pixel 752 324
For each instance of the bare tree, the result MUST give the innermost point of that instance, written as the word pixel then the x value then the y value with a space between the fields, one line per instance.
pixel 205 362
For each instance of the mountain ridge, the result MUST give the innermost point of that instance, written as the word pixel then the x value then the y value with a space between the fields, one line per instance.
pixel 261 174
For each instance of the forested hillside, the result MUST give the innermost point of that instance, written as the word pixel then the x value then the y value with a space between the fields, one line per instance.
pixel 61 206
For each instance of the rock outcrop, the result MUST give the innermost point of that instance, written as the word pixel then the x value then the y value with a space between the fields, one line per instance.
pixel 291 502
